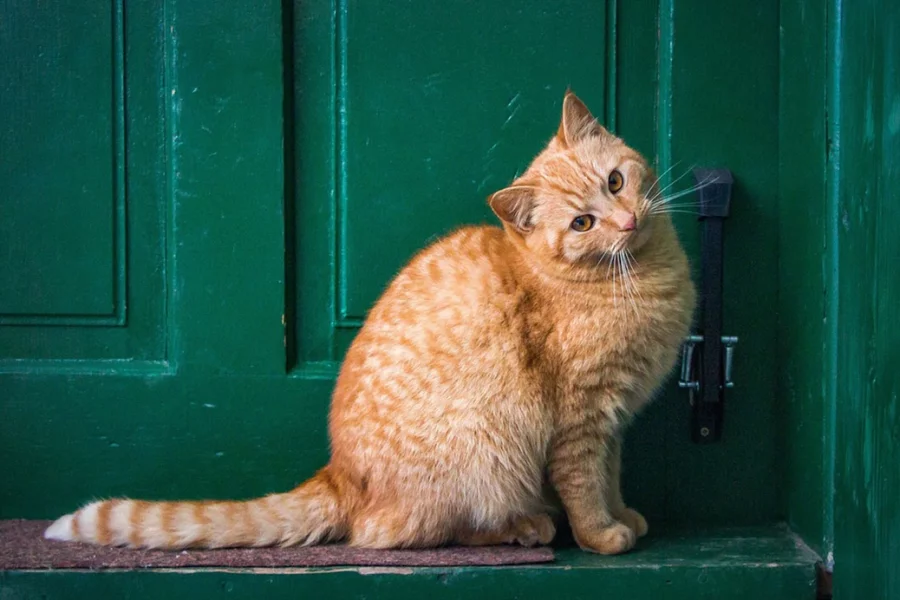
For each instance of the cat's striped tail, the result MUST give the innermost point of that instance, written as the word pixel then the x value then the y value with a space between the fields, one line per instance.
pixel 307 515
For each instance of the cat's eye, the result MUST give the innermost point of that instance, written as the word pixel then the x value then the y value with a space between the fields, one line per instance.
pixel 615 181
pixel 583 223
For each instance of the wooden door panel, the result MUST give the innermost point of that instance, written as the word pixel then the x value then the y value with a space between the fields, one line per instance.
pixel 440 104
pixel 62 110
pixel 82 174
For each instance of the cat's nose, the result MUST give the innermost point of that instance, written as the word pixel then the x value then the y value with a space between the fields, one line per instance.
pixel 627 221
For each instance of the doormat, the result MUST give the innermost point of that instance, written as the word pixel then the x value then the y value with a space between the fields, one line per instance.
pixel 22 546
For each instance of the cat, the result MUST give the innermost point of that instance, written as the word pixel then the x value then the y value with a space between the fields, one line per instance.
pixel 500 362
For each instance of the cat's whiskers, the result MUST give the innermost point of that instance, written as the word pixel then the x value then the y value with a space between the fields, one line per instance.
pixel 615 292
pixel 663 204
pixel 662 209
pixel 655 184
pixel 676 212
pixel 626 286
pixel 608 268
pixel 689 190
pixel 637 300
pixel 623 276
pixel 661 191
pixel 667 171
pixel 632 261
pixel 648 201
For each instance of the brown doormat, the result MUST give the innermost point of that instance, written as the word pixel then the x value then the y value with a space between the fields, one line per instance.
pixel 22 546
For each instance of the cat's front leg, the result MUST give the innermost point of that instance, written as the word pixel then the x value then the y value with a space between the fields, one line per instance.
pixel 629 516
pixel 580 451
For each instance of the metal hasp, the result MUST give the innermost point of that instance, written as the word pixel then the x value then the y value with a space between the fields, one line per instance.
pixel 707 357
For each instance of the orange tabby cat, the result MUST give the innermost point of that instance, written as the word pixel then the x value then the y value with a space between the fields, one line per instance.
pixel 497 361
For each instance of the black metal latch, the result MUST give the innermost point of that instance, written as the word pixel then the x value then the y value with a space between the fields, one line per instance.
pixel 708 373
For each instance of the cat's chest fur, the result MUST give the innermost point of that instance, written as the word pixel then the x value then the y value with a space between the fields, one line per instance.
pixel 610 337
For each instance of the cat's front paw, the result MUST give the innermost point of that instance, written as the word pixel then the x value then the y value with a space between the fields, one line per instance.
pixel 634 520
pixel 614 539
pixel 533 530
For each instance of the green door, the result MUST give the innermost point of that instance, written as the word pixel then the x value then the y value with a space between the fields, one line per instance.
pixel 200 201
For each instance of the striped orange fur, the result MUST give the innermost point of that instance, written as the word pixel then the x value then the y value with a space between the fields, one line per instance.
pixel 499 363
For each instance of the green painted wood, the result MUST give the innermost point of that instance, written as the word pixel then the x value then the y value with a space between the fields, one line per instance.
pixel 441 105
pixel 804 347
pixel 737 582
pixel 228 269
pixel 82 213
pixel 718 564
pixel 721 74
pixel 864 94
pixel 63 159
pixel 155 436
pixel 310 41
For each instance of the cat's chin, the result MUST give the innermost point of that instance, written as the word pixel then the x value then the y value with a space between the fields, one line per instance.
pixel 638 239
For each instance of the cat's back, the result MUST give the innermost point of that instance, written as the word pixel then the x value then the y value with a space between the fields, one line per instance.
pixel 464 277
pixel 470 260
pixel 445 325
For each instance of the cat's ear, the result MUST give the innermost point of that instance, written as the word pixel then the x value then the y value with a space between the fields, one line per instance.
pixel 514 205
pixel 577 122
